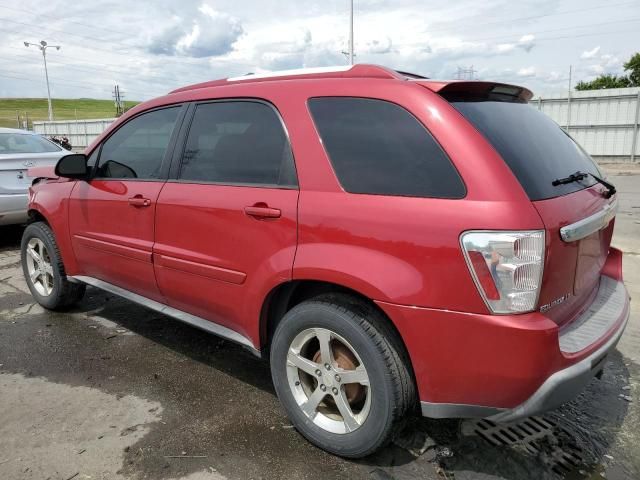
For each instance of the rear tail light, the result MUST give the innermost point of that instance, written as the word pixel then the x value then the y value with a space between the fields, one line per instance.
pixel 506 267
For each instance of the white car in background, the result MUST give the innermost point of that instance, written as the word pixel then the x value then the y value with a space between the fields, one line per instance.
pixel 19 151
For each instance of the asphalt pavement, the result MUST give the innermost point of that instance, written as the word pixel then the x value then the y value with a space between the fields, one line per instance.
pixel 111 390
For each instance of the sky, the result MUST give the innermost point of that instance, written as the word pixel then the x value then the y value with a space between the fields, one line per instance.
pixel 151 47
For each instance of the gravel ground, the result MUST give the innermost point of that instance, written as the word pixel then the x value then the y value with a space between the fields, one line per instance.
pixel 111 390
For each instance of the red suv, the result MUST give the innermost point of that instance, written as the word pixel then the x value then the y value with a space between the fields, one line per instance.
pixel 388 241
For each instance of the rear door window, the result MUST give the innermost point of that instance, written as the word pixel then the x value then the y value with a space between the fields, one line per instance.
pixel 238 143
pixel 536 149
pixel 378 147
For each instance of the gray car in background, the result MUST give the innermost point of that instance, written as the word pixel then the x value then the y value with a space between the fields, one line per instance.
pixel 19 151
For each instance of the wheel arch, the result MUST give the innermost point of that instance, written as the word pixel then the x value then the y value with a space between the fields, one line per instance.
pixel 55 215
pixel 36 215
pixel 287 295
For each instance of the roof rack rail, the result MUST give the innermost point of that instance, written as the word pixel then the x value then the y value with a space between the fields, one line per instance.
pixel 349 71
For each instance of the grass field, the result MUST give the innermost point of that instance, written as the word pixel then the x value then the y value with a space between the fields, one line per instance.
pixel 63 109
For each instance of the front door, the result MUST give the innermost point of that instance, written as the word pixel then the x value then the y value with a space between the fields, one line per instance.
pixel 111 216
pixel 226 225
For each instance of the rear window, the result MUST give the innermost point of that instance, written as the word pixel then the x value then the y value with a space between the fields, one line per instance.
pixel 14 143
pixel 379 148
pixel 536 149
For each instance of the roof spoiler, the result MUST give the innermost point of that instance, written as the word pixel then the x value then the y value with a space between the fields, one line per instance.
pixel 477 89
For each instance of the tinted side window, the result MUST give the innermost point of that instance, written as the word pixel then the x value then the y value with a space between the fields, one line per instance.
pixel 137 149
pixel 378 147
pixel 237 143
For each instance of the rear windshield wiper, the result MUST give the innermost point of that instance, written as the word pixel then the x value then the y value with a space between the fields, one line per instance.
pixel 576 177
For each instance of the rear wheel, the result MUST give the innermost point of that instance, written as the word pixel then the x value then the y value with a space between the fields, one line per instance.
pixel 339 373
pixel 44 271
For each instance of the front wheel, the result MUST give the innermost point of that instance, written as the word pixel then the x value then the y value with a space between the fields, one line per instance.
pixel 339 372
pixel 43 269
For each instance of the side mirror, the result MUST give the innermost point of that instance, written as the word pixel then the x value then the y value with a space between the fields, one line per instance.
pixel 72 166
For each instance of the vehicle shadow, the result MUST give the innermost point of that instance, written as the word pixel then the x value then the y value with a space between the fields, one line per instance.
pixel 568 443
pixel 10 236
pixel 200 346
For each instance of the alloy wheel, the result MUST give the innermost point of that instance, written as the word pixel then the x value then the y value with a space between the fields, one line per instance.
pixel 39 267
pixel 328 380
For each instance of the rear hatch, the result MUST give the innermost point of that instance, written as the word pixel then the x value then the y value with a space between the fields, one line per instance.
pixel 18 153
pixel 539 153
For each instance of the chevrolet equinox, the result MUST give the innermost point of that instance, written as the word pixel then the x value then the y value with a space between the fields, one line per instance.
pixel 391 243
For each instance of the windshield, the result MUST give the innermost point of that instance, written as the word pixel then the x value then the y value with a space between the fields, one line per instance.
pixel 536 149
pixel 25 143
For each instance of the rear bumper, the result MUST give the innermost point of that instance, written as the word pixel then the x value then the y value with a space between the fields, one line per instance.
pixel 508 367
pixel 565 384
pixel 13 208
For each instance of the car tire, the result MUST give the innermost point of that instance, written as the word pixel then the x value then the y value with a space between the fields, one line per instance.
pixel 362 343
pixel 44 271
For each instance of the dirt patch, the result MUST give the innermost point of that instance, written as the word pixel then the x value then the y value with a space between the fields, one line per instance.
pixel 51 430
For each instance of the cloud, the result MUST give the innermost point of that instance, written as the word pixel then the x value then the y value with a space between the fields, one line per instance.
pixel 596 69
pixel 379 46
pixel 526 43
pixel 286 46
pixel 162 44
pixel 554 77
pixel 209 33
pixel 526 72
pixel 165 42
pixel 590 53
pixel 607 63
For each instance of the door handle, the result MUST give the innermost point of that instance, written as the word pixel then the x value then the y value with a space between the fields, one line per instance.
pixel 139 201
pixel 262 211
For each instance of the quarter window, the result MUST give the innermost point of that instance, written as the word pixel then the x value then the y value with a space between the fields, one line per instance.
pixel 237 142
pixel 378 147
pixel 137 149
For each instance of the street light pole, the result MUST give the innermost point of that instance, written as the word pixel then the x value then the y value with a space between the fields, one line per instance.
pixel 43 48
pixel 351 34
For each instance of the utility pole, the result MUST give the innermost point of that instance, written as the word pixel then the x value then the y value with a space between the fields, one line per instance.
pixel 351 34
pixel 466 73
pixel 43 48
pixel 569 100
pixel 118 99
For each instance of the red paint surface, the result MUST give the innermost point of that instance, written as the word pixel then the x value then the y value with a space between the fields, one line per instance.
pixel 113 240
pixel 206 225
pixel 572 268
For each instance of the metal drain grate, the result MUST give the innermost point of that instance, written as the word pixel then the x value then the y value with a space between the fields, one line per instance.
pixel 537 435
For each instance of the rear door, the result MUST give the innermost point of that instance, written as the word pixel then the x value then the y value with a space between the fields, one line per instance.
pixel 539 152
pixel 111 216
pixel 226 224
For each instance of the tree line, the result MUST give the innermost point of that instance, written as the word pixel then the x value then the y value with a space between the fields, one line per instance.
pixel 608 80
